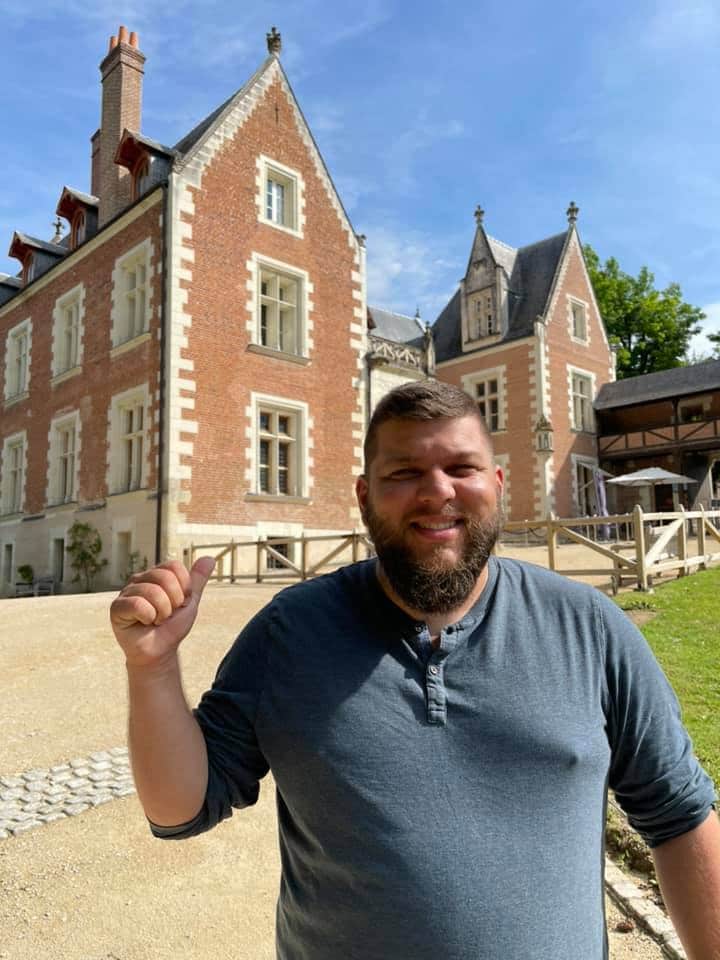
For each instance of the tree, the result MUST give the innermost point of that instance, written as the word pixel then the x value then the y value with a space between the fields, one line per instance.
pixel 714 338
pixel 651 328
pixel 84 549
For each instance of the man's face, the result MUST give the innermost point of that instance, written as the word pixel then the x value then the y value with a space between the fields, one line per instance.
pixel 431 504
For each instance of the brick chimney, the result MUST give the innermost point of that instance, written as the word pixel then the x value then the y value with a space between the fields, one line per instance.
pixel 122 77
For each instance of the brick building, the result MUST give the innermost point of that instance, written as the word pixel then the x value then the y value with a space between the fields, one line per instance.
pixel 523 335
pixel 187 362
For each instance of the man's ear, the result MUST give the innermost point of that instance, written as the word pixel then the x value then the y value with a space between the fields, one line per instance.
pixel 361 491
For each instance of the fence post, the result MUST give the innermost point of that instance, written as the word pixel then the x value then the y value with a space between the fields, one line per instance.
pixel 701 538
pixel 355 546
pixel 258 561
pixel 303 556
pixel 639 534
pixel 551 541
pixel 232 561
pixel 683 543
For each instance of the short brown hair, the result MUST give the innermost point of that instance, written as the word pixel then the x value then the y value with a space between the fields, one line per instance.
pixel 421 400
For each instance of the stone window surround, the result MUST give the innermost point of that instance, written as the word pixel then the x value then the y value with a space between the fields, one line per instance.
pixel 15 439
pixel 118 313
pixel 25 326
pixel 576 301
pixel 76 294
pixel 573 371
pixel 265 166
pixel 470 381
pixel 57 425
pixel 502 460
pixel 298 409
pixel 115 454
pixel 576 460
pixel 255 265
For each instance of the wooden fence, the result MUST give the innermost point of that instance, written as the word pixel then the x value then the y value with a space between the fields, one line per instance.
pixel 646 544
pixel 639 545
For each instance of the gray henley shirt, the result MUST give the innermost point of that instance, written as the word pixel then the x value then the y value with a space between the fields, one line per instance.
pixel 446 803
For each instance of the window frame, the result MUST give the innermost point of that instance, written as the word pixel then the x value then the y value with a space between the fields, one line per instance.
pixel 576 304
pixel 295 440
pixel 128 468
pixel 73 298
pixel 587 424
pixel 59 491
pixel 20 332
pixel 123 333
pixel 291 181
pixel 276 269
pixel 470 384
pixel 11 506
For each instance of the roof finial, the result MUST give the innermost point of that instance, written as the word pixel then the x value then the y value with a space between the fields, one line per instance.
pixel 479 214
pixel 572 212
pixel 58 231
pixel 274 42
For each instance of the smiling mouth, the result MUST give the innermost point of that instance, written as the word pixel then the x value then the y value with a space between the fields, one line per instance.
pixel 439 525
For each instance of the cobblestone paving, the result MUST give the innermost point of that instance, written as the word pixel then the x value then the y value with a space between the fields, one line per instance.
pixel 36 797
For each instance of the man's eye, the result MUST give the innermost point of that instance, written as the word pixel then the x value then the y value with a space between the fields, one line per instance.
pixel 463 470
pixel 403 475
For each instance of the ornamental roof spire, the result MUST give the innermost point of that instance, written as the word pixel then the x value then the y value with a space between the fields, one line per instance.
pixel 274 42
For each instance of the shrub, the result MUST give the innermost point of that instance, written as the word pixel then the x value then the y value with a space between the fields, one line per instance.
pixel 84 548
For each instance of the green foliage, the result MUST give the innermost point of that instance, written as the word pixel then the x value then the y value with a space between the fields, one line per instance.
pixel 84 548
pixel 684 637
pixel 135 564
pixel 26 573
pixel 714 338
pixel 652 329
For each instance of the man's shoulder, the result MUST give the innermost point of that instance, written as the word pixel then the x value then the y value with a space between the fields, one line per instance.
pixel 522 571
pixel 325 591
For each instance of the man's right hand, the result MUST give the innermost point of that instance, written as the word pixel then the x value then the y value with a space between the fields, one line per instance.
pixel 156 610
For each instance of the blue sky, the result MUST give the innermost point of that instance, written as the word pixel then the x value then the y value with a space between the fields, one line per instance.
pixel 422 110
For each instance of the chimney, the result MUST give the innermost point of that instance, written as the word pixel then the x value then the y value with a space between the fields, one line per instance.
pixel 122 76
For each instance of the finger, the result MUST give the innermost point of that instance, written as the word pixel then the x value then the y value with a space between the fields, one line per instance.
pixel 127 612
pixel 199 576
pixel 173 567
pixel 166 579
pixel 154 595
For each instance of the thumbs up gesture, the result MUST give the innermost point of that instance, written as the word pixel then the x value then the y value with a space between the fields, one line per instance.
pixel 156 610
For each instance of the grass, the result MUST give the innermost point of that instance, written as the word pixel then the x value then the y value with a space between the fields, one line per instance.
pixel 684 633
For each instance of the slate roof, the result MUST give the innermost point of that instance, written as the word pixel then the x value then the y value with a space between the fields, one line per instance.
pixel 531 271
pixel 678 382
pixel 85 198
pixel 153 145
pixel 55 249
pixel 9 281
pixel 394 326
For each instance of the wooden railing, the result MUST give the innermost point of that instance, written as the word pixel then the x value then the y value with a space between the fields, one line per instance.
pixel 248 559
pixel 657 543
pixel 671 434
pixel 646 545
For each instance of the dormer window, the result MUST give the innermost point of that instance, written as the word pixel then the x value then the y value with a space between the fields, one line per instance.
pixel 77 229
pixel 28 269
pixel 141 177
pixel 482 321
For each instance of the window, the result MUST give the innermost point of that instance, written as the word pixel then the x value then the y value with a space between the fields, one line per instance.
pixel 488 390
pixel 128 446
pixel 283 548
pixel 17 361
pixel 281 194
pixel 277 453
pixel 28 269
pixel 77 229
pixel 67 331
pixel 586 491
pixel 141 177
pixel 578 315
pixel 482 320
pixel 582 412
pixel 131 440
pixel 7 567
pixel 63 460
pixel 488 401
pixel 132 291
pixel 13 474
pixel 279 311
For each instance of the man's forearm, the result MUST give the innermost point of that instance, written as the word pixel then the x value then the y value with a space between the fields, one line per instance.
pixel 167 748
pixel 688 870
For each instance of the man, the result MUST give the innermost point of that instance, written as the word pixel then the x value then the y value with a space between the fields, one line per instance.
pixel 442 727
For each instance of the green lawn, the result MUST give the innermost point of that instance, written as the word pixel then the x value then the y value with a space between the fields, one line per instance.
pixel 684 633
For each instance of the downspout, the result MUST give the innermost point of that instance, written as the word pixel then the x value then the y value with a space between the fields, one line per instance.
pixel 161 401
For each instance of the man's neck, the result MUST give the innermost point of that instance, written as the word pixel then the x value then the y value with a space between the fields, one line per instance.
pixel 435 622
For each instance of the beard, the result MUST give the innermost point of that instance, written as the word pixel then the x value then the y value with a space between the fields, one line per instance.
pixel 431 583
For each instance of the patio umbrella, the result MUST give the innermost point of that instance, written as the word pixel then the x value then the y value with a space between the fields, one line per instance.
pixel 650 477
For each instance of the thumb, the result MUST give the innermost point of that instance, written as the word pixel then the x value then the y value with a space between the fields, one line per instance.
pixel 199 576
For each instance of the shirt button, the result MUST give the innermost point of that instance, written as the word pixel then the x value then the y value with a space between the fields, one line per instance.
pixel 434 670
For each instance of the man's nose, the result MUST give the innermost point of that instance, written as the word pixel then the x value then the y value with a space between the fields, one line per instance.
pixel 436 485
